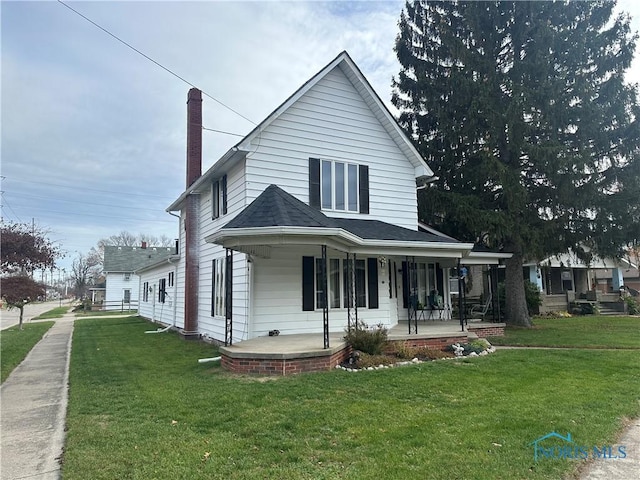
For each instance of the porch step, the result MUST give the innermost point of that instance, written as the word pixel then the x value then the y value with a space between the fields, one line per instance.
pixel 605 310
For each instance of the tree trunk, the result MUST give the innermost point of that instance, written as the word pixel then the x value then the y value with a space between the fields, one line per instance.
pixel 21 312
pixel 516 311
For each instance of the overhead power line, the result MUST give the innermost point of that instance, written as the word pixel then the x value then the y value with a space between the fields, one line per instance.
pixel 154 61
pixel 76 187
pixel 220 131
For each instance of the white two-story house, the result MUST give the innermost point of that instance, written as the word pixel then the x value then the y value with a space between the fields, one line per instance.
pixel 307 225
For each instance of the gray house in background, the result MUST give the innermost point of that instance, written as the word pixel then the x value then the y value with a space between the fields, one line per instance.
pixel 120 263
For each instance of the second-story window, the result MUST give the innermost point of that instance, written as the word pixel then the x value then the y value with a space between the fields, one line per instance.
pixel 219 197
pixel 339 186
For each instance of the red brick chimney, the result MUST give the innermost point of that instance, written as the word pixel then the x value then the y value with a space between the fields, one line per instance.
pixel 191 254
pixel 194 136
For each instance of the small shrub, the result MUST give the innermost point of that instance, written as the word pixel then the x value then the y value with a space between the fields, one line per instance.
pixel 633 307
pixel 367 340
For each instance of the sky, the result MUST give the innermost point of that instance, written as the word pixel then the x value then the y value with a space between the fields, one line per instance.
pixel 93 134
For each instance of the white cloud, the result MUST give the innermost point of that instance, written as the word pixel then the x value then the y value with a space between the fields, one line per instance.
pixel 81 109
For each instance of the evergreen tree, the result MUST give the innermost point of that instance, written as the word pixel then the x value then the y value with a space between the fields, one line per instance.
pixel 522 111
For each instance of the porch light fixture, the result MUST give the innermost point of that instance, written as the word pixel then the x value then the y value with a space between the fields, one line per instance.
pixel 383 261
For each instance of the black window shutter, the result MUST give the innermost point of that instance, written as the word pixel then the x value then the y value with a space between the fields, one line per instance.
pixel 405 285
pixel 372 280
pixel 314 183
pixel 439 279
pixel 223 186
pixel 213 287
pixel 215 202
pixel 308 290
pixel 364 188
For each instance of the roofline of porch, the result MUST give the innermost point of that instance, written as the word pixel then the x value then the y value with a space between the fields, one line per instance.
pixel 336 238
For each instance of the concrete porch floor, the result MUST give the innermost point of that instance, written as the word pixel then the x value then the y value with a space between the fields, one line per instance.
pixel 311 344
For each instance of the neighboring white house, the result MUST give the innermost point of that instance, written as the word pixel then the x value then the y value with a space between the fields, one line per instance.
pixel 122 284
pixel 306 224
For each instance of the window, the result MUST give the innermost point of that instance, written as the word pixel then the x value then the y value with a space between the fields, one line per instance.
pixel 219 197
pixel 218 287
pixel 162 290
pixel 366 278
pixel 339 186
pixel 126 295
pixel 339 182
pixel 171 279
pixel 145 292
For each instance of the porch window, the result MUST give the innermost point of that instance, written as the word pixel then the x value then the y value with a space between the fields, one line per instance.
pixel 366 277
pixel 361 284
pixel 424 281
pixel 217 287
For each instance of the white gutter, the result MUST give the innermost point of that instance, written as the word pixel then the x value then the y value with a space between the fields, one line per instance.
pixel 277 235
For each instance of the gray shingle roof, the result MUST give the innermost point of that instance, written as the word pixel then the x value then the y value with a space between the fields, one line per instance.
pixel 276 208
pixel 129 259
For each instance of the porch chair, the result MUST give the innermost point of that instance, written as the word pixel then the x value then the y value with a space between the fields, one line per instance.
pixel 481 310
pixel 436 303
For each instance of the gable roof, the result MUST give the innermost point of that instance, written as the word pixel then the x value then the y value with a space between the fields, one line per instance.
pixel 344 62
pixel 128 259
pixel 274 207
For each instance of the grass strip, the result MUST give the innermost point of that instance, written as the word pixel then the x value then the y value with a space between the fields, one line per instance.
pixel 15 344
pixel 597 331
pixel 141 407
pixel 57 312
pixel 105 313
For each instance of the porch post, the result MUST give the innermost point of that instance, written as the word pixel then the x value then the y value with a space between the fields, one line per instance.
pixel 354 289
pixel 325 297
pixel 460 293
pixel 617 280
pixel 347 288
pixel 412 303
pixel 495 301
pixel 228 298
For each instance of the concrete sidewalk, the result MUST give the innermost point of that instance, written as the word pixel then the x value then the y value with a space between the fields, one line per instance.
pixel 34 405
pixel 622 468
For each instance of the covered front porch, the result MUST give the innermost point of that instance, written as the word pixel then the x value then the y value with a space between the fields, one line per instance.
pixel 298 353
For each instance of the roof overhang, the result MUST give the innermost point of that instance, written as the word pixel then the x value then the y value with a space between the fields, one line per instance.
pixel 486 258
pixel 248 240
pixel 202 184
pixel 171 260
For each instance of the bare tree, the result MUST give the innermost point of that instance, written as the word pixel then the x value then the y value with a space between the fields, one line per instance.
pixel 84 272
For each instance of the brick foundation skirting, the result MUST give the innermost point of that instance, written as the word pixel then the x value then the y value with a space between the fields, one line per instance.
pixel 284 366
pixel 492 331
pixel 435 343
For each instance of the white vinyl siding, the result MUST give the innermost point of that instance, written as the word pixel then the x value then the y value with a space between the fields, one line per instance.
pixel 332 122
pixel 117 284
pixel 154 309
pixel 277 298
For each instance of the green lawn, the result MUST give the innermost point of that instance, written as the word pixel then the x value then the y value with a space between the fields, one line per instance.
pixel 15 344
pixel 581 331
pixel 105 313
pixel 141 407
pixel 57 312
